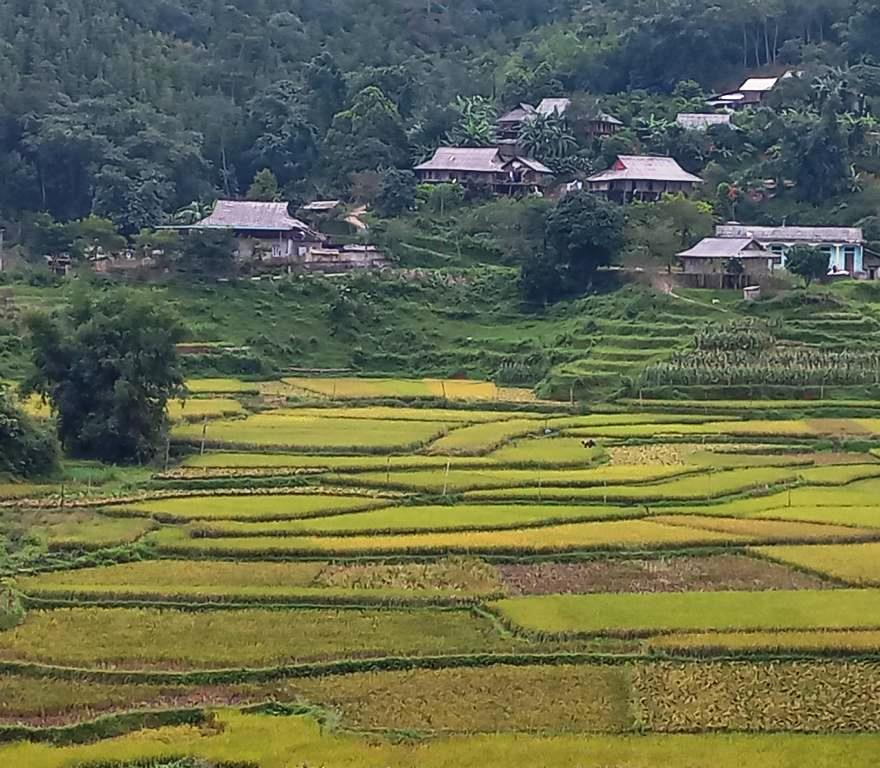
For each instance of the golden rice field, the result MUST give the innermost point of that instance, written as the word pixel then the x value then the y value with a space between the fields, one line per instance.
pixel 445 573
pixel 681 612
pixel 303 433
pixel 364 388
pixel 851 563
pixel 279 742
pixel 248 507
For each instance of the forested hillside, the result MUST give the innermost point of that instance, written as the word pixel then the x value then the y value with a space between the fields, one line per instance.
pixel 131 109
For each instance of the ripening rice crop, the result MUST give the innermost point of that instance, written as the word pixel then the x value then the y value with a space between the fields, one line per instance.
pixel 548 451
pixel 694 486
pixel 766 530
pixel 345 388
pixel 142 638
pixel 87 530
pixel 43 701
pixel 295 433
pixel 853 563
pixel 222 386
pixel 615 534
pixel 861 517
pixel 248 507
pixel 281 742
pixel 721 643
pixel 555 698
pixel 293 461
pixel 838 474
pixel 397 413
pixel 195 409
pixel 175 577
pixel 424 518
pixel 10 491
pixel 857 493
pixel 201 581
pixel 758 428
pixel 686 611
pixel 457 480
pixel 827 696
pixel 481 438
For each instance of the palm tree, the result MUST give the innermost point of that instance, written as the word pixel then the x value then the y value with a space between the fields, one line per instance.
pixel 547 137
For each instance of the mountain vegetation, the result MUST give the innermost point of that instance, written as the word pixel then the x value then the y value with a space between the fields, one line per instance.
pixel 131 111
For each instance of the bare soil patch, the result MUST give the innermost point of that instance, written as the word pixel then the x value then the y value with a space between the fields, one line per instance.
pixel 677 574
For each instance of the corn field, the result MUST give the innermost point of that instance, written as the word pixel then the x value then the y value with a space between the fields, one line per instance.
pixel 794 366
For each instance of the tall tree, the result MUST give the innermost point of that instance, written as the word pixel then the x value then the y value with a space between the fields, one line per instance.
pixel 264 187
pixel 584 232
pixel 108 365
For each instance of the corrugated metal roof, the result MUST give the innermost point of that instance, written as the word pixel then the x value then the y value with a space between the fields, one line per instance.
pixel 759 84
pixel 728 248
pixel 694 121
pixel 546 106
pixel 604 117
pixel 241 214
pixel 850 235
pixel 321 205
pixel 646 168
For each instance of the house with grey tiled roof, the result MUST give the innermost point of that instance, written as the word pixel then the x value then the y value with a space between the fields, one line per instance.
pixel 642 177
pixel 719 262
pixel 262 231
pixel 484 166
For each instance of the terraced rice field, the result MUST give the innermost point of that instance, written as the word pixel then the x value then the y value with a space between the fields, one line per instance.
pixel 414 579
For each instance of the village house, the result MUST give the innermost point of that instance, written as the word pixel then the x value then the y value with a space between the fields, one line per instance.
pixel 262 231
pixel 845 246
pixel 509 126
pixel 484 166
pixel 750 94
pixel 265 233
pixel 694 121
pixel 717 262
pixel 646 178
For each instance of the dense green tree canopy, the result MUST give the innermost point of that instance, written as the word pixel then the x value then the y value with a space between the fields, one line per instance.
pixel 132 110
pixel 108 366
pixel 26 449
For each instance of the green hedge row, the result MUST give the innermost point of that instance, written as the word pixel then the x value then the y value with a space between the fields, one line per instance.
pixel 103 728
